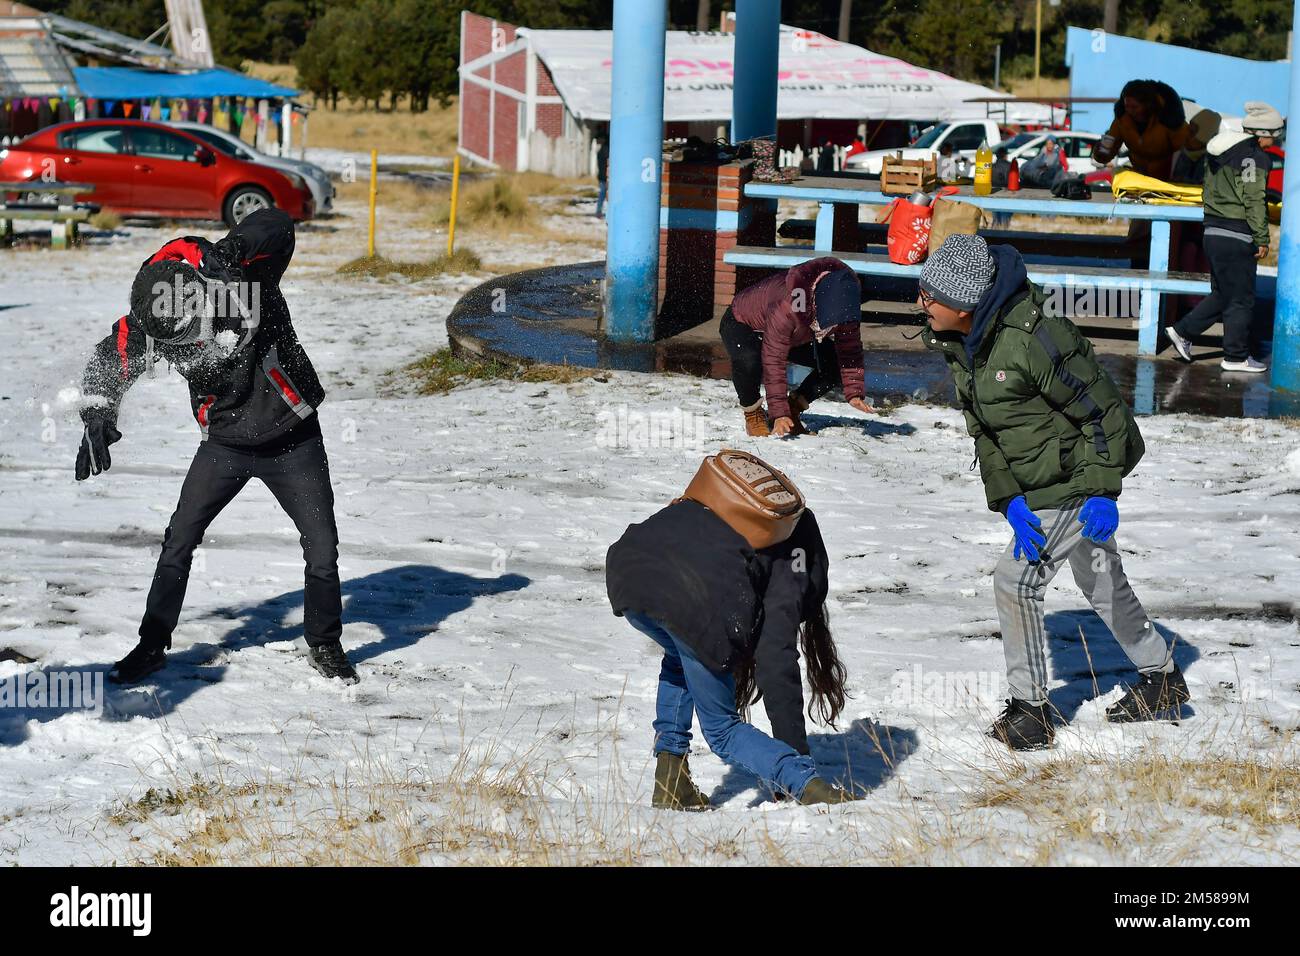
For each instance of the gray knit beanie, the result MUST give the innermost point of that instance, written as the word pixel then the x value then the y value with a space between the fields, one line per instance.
pixel 959 272
pixel 1262 119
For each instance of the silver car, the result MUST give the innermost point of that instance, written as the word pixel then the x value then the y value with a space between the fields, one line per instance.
pixel 317 179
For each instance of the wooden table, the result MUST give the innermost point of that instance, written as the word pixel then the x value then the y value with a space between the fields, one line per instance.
pixel 65 214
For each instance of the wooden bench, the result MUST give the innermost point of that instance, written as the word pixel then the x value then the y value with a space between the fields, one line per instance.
pixel 1147 283
pixel 65 222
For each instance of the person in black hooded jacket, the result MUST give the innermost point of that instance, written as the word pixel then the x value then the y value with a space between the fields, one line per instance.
pixel 214 312
pixel 730 617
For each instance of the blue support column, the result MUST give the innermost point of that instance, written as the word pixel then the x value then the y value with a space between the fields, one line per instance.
pixel 635 161
pixel 1149 323
pixel 1285 362
pixel 753 91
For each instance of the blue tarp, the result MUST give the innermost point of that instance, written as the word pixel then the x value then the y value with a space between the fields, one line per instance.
pixel 127 83
pixel 1101 63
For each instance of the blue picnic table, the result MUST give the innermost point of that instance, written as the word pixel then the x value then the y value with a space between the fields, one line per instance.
pixel 832 193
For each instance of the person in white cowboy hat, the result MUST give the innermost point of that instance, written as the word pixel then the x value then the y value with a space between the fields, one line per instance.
pixel 1236 235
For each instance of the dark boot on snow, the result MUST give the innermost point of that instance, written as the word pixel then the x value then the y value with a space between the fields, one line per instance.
pixel 1023 726
pixel 146 659
pixel 1156 696
pixel 674 788
pixel 799 405
pixel 821 791
pixel 330 661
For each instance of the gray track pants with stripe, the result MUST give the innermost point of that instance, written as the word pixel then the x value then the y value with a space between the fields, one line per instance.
pixel 1019 587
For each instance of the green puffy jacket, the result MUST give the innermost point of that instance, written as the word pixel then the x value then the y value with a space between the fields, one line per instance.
pixel 1047 419
pixel 1236 185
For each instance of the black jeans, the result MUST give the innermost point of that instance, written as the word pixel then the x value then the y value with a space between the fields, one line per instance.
pixel 1232 296
pixel 299 477
pixel 745 349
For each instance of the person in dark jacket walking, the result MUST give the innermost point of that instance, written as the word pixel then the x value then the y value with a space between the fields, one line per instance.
pixel 602 172
pixel 808 314
pixel 1054 441
pixel 1236 236
pixel 729 619
pixel 214 311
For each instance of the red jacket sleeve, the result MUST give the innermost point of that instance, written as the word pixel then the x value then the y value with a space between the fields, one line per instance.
pixel 776 363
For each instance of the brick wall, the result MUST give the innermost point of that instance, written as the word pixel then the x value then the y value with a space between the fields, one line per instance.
pixel 488 117
pixel 708 215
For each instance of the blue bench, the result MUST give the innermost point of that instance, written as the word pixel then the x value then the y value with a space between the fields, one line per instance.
pixel 1149 284
pixel 844 195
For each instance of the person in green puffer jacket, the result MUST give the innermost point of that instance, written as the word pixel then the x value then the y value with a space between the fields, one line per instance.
pixel 1054 440
pixel 1236 236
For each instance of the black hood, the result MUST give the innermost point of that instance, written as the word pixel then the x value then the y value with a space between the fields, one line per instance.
pixel 1008 281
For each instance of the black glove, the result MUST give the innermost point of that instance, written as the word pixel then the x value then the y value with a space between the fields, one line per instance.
pixel 93 456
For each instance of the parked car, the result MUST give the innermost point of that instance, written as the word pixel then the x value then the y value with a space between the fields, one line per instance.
pixel 318 180
pixel 1077 147
pixel 141 168
pixel 965 137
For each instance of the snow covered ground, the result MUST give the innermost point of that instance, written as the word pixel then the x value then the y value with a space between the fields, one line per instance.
pixel 504 713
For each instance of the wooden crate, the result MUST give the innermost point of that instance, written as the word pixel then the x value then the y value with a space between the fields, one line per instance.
pixel 900 177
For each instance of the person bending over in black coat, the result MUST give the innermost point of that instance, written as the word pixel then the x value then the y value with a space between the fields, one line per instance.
pixel 730 620
pixel 214 312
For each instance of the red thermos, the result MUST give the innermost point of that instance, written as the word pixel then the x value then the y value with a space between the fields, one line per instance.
pixel 1013 176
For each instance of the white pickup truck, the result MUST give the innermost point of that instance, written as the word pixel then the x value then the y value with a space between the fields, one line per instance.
pixel 964 135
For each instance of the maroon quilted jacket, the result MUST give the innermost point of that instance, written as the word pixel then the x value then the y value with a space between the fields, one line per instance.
pixel 768 307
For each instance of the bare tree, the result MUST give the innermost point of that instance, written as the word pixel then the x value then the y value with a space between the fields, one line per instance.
pixel 1110 19
pixel 846 14
pixel 702 16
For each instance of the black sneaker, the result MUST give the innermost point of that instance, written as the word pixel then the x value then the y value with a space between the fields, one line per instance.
pixel 1022 726
pixel 138 665
pixel 1156 696
pixel 330 661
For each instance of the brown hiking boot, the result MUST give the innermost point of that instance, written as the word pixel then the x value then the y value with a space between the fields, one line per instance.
pixel 756 423
pixel 674 788
pixel 819 791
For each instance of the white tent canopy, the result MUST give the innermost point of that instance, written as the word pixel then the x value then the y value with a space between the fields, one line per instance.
pixel 818 78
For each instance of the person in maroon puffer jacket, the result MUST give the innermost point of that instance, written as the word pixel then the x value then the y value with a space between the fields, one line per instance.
pixel 808 315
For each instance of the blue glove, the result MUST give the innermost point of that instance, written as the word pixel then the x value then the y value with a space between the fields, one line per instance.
pixel 1027 527
pixel 1100 517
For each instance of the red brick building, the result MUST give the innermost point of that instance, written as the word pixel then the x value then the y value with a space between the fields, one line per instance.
pixel 511 115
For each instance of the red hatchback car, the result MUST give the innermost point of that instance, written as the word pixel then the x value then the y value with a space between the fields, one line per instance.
pixel 147 169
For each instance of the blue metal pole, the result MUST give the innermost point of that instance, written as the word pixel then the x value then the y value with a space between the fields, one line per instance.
pixel 758 47
pixel 635 160
pixel 1286 317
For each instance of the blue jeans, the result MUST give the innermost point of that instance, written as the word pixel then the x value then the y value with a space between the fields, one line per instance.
pixel 600 197
pixel 687 687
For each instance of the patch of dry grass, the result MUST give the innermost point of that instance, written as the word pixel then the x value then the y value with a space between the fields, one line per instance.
pixel 1131 803
pixel 397 194
pixel 459 262
pixel 105 219
pixel 502 207
pixel 356 126
pixel 444 370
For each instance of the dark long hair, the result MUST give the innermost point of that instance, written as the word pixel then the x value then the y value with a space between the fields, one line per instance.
pixel 826 673
pixel 1161 100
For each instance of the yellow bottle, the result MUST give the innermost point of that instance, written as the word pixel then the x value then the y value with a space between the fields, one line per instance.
pixel 983 169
